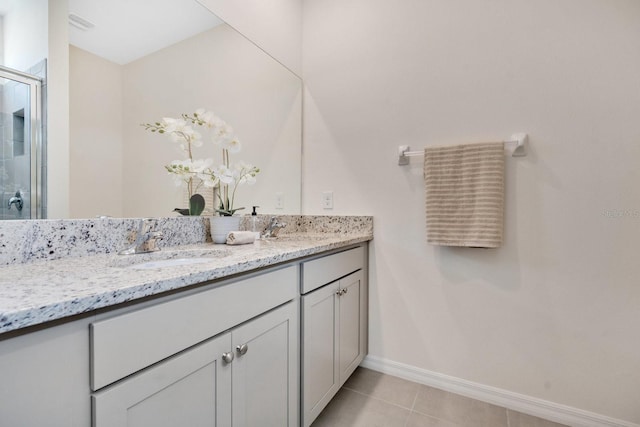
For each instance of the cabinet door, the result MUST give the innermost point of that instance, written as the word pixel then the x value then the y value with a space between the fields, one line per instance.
pixel 44 377
pixel 351 324
pixel 191 389
pixel 265 370
pixel 320 376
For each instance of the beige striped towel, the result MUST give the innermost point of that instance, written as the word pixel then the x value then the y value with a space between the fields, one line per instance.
pixel 465 194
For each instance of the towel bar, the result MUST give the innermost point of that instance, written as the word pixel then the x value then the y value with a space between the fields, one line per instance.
pixel 517 144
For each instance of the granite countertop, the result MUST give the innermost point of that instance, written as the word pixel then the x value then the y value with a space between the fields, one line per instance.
pixel 42 291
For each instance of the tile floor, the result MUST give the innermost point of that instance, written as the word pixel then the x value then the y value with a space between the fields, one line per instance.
pixel 372 399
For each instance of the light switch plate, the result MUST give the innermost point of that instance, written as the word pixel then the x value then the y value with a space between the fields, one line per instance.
pixel 327 200
pixel 279 204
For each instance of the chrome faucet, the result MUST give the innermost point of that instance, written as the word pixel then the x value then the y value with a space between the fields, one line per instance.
pixel 273 228
pixel 146 239
pixel 16 200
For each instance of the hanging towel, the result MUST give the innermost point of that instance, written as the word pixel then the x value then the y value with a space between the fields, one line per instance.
pixel 464 187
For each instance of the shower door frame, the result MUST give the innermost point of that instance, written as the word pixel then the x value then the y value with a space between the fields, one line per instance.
pixel 35 123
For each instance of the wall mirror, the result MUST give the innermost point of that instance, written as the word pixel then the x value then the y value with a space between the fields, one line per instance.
pixel 123 76
pixel 23 53
pixel 135 61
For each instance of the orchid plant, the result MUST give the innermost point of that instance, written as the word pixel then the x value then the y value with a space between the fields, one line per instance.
pixel 195 173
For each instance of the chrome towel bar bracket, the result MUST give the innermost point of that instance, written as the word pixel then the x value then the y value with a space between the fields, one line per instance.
pixel 517 144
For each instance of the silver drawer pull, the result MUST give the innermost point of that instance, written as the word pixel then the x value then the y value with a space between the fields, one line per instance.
pixel 227 357
pixel 242 349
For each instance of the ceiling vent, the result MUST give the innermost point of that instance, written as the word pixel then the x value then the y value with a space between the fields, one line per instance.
pixel 80 23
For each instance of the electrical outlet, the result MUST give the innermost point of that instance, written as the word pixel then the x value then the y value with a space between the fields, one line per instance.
pixel 279 201
pixel 327 200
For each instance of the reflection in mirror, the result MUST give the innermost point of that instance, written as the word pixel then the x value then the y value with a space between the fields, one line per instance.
pixel 117 168
pixel 23 69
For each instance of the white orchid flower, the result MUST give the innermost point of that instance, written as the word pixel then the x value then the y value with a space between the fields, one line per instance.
pixel 217 121
pixel 207 118
pixel 222 132
pixel 168 124
pixel 209 180
pixel 180 170
pixel 233 145
pixel 224 174
pixel 201 165
pixel 196 139
pixel 242 167
pixel 248 179
pixel 246 173
pixel 181 130
pixel 185 133
pixel 173 125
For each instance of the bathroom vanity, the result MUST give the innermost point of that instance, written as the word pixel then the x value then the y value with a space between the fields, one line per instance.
pixel 257 335
pixel 226 353
pixel 334 325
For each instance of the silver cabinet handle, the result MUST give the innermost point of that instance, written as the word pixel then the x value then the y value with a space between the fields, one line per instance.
pixel 339 292
pixel 345 290
pixel 242 349
pixel 227 357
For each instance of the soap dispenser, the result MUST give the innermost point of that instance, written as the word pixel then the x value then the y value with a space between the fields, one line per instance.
pixel 254 223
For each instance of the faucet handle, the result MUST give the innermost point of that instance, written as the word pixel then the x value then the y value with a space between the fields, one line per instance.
pixel 146 226
pixel 146 239
pixel 150 243
pixel 271 230
pixel 17 200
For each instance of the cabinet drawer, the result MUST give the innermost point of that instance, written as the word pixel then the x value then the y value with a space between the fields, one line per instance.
pixel 130 342
pixel 189 389
pixel 320 271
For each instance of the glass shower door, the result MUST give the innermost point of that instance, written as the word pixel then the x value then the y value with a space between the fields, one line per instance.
pixel 20 151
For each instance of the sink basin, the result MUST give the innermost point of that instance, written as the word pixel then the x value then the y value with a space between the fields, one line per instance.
pixel 167 258
pixel 150 265
pixel 294 238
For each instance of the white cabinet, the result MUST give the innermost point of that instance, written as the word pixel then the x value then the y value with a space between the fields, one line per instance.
pixel 193 388
pixel 242 378
pixel 334 340
pixel 265 372
pixel 320 327
pixel 123 344
pixel 226 355
pixel 44 377
pixel 352 323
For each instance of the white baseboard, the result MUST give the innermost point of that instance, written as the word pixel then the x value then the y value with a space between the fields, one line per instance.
pixel 518 402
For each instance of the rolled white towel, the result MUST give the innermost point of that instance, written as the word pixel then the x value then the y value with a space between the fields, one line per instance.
pixel 240 237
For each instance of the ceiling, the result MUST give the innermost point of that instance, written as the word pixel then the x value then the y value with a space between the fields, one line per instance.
pixel 5 6
pixel 126 30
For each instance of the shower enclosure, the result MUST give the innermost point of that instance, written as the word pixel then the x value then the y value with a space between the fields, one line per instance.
pixel 22 143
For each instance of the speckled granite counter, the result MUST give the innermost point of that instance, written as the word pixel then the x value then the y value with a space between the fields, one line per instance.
pixel 38 292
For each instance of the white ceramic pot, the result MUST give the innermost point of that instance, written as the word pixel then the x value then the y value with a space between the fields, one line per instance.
pixel 222 225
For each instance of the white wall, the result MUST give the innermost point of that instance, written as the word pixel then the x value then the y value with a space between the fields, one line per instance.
pixel 96 134
pixel 25 34
pixel 275 26
pixel 58 111
pixel 1 39
pixel 553 314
